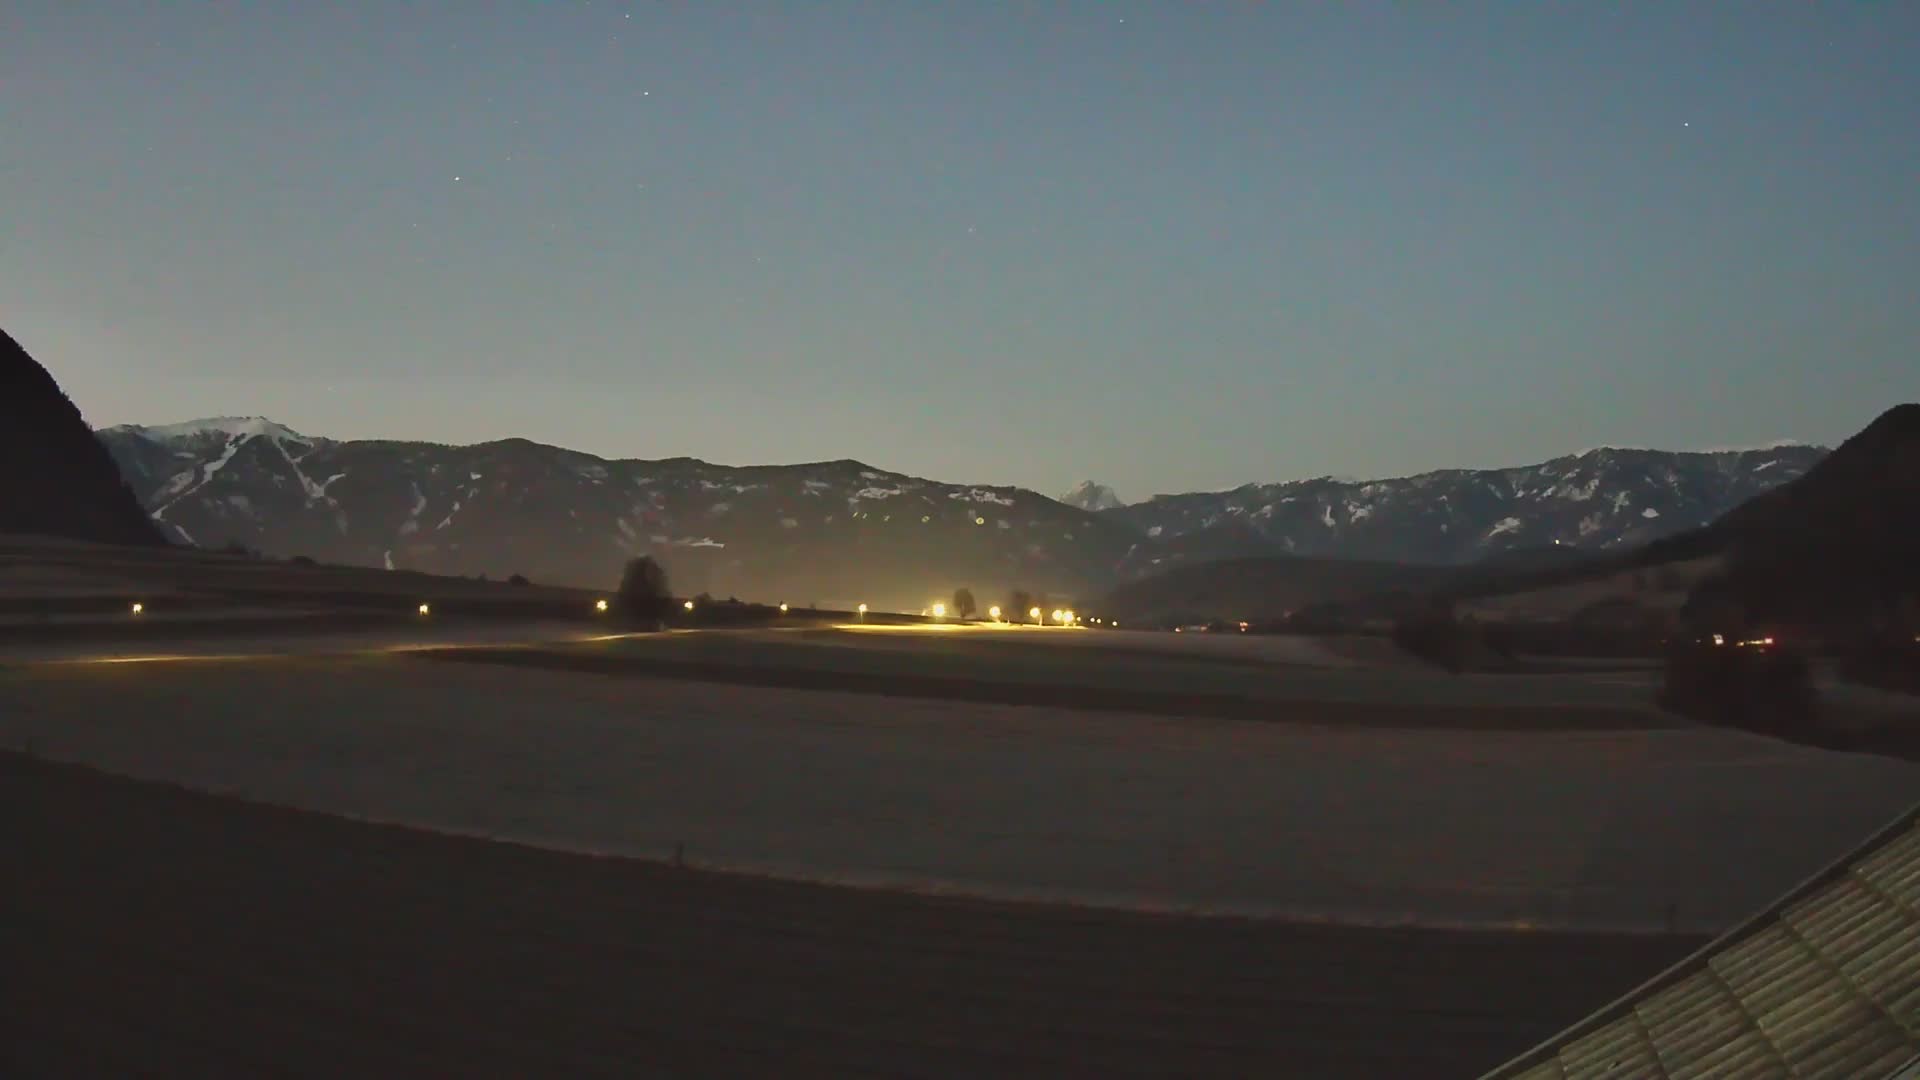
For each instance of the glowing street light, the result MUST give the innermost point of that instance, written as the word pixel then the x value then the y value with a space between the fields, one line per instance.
pixel 1069 618
pixel 137 607
pixel 994 613
pixel 688 605
pixel 862 609
pixel 426 609
pixel 1034 614
pixel 599 605
pixel 1056 615
pixel 939 611
pixel 783 609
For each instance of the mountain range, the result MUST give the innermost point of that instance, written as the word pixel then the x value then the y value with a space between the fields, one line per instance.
pixel 842 532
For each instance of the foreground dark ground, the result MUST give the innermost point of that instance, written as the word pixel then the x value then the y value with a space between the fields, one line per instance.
pixel 148 930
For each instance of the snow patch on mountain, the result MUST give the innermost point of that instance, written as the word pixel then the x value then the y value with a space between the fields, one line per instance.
pixel 233 427
pixel 980 495
pixel 1094 497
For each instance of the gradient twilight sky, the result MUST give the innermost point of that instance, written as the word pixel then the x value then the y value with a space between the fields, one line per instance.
pixel 1168 246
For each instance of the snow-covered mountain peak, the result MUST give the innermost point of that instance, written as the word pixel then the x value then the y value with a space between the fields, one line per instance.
pixel 231 427
pixel 1088 495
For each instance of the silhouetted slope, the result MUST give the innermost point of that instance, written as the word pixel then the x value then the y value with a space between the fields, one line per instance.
pixel 55 477
pixel 1840 542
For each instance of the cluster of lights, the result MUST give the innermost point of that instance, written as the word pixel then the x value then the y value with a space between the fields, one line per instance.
pixel 1760 642
pixel 600 605
pixel 138 608
pixel 688 605
pixel 426 609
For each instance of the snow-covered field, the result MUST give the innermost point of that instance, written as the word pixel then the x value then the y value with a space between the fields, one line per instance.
pixel 1641 829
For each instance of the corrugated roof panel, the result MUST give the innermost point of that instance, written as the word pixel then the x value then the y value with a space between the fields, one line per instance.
pixel 1903 1005
pixel 1847 1058
pixel 1619 1049
pixel 1890 965
pixel 1824 984
pixel 1910 1072
pixel 1745 1054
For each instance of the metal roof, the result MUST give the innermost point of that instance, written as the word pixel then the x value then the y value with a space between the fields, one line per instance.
pixel 1823 983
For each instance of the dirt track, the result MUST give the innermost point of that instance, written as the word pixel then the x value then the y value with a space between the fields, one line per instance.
pixel 152 931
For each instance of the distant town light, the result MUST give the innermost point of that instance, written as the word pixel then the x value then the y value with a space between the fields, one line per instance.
pixel 599 605
pixel 979 521
pixel 426 609
pixel 137 607
pixel 862 609
pixel 1719 639
pixel 688 605
pixel 783 609
pixel 939 611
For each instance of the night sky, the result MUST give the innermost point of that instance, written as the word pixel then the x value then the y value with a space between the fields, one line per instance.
pixel 1168 246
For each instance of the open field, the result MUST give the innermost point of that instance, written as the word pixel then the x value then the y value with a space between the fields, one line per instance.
pixel 880 848
pixel 1174 674
pixel 150 930
pixel 1600 829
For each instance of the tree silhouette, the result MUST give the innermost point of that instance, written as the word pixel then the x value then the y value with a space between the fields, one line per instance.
pixel 1018 603
pixel 963 604
pixel 643 590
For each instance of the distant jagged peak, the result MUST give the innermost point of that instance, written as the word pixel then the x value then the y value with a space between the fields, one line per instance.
pixel 1091 496
pixel 232 427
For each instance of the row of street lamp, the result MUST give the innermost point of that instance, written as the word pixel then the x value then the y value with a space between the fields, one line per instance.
pixel 1063 618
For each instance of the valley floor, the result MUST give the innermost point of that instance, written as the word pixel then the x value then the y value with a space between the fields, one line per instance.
pixel 151 930
pixel 1597 829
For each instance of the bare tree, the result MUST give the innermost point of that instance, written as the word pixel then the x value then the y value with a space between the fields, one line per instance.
pixel 963 604
pixel 1018 603
pixel 644 593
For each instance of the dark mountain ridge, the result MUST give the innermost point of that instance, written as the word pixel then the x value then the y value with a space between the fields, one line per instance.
pixel 1837 545
pixel 58 479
